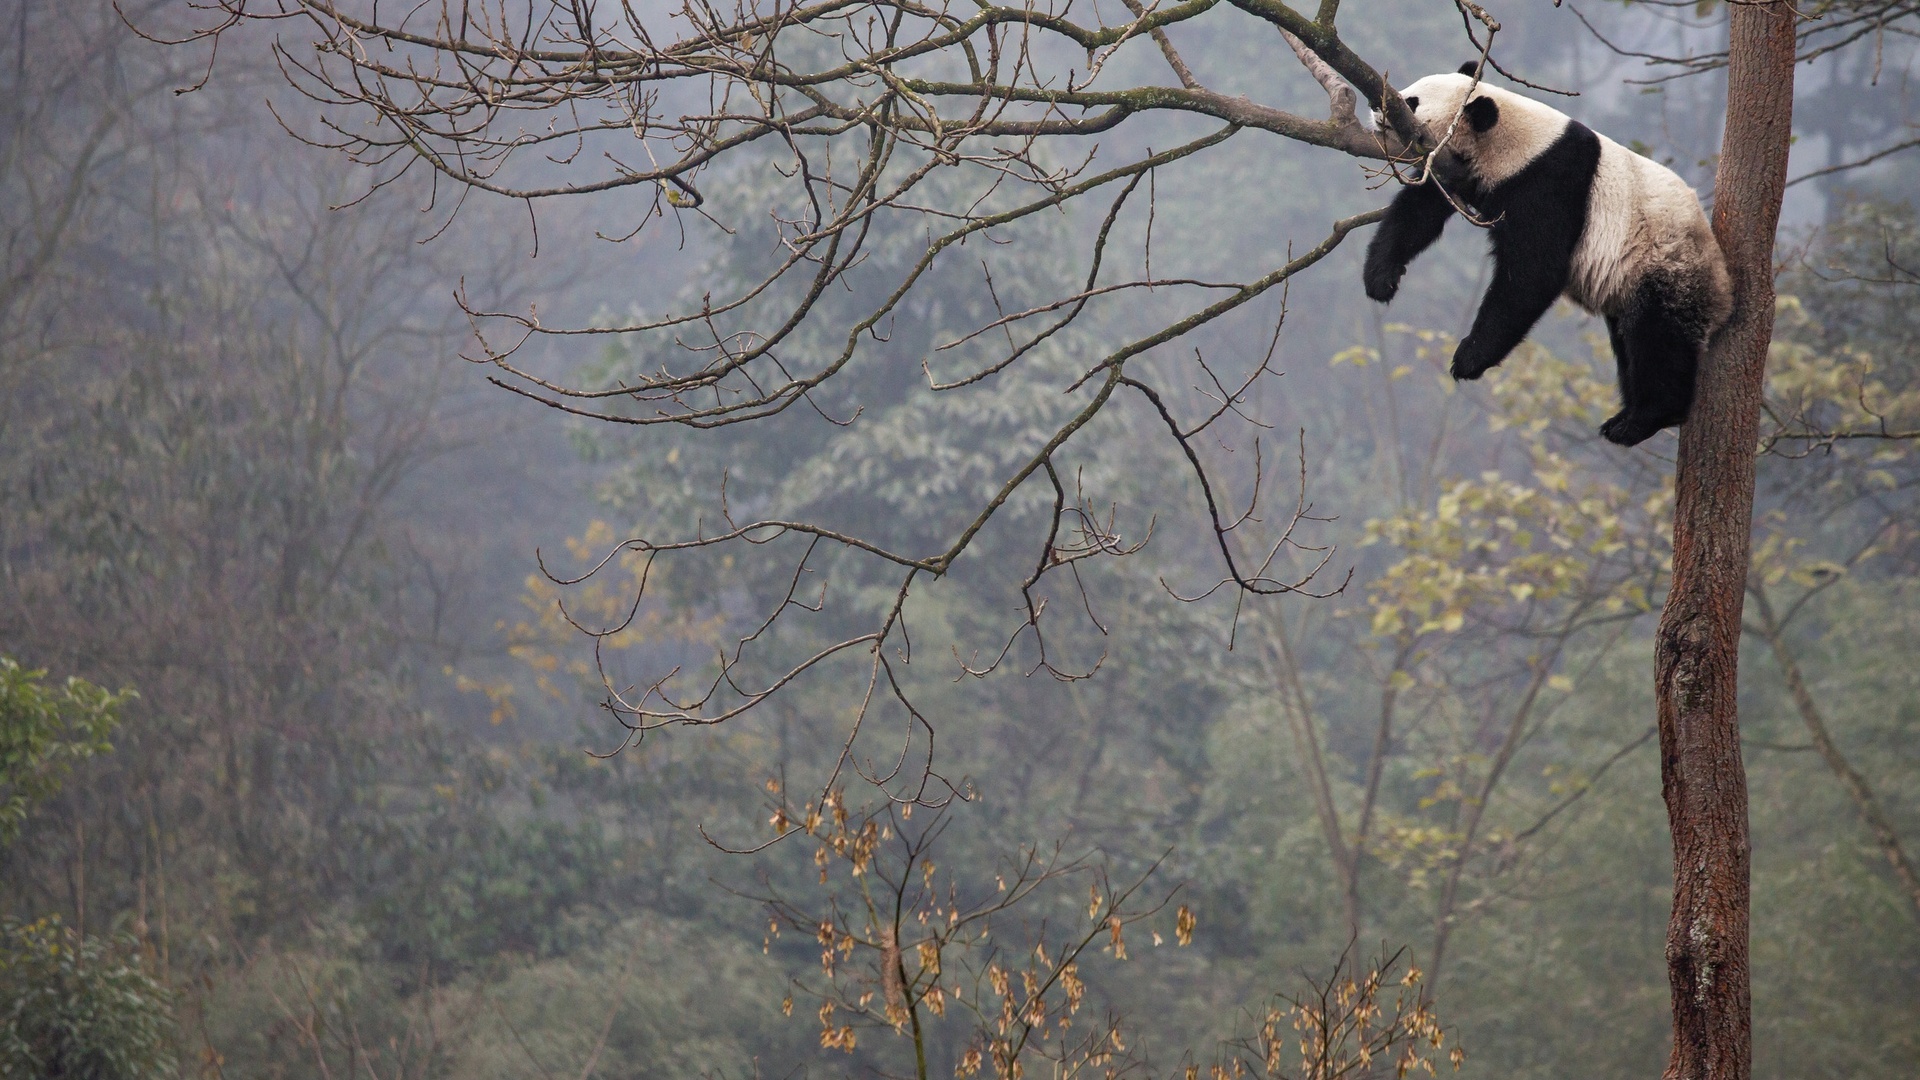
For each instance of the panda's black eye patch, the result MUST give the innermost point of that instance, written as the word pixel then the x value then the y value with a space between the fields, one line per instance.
pixel 1412 103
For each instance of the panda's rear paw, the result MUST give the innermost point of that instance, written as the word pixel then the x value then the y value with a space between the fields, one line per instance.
pixel 1382 282
pixel 1471 360
pixel 1628 428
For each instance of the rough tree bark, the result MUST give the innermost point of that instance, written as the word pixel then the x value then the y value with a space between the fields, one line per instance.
pixel 1697 649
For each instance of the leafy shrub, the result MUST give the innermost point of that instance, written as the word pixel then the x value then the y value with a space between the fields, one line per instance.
pixel 77 1007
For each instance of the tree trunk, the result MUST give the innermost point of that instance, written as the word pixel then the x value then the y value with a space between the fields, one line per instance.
pixel 1697 649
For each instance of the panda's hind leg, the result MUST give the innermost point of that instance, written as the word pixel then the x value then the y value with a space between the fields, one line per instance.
pixel 1657 350
pixel 1619 343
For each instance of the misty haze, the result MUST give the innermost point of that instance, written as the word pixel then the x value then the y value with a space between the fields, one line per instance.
pixel 587 539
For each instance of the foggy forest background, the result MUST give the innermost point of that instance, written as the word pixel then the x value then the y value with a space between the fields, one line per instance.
pixel 362 814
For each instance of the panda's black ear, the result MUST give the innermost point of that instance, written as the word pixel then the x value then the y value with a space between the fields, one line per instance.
pixel 1470 67
pixel 1482 113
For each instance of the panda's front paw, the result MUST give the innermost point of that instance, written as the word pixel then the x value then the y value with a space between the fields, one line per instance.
pixel 1471 359
pixel 1382 280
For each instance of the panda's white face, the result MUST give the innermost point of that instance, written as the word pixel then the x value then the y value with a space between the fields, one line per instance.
pixel 1521 130
pixel 1436 100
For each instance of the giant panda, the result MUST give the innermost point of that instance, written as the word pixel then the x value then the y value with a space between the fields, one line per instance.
pixel 1572 213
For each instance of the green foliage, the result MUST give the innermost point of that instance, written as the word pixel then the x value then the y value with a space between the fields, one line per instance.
pixel 653 996
pixel 879 452
pixel 44 732
pixel 76 1007
pixel 457 877
pixel 645 997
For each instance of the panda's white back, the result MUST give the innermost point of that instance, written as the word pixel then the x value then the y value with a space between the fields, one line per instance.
pixel 1640 215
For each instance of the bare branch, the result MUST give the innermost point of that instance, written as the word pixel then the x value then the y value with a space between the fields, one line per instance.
pixel 882 119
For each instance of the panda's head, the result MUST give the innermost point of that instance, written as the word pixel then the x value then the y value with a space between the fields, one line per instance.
pixel 1495 132
pixel 1442 102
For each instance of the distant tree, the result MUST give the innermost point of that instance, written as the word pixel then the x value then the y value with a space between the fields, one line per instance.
pixel 1843 431
pixel 44 733
pixel 72 1005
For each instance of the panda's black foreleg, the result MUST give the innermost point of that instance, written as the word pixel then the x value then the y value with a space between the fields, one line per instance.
pixel 1533 243
pixel 1657 349
pixel 1414 221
